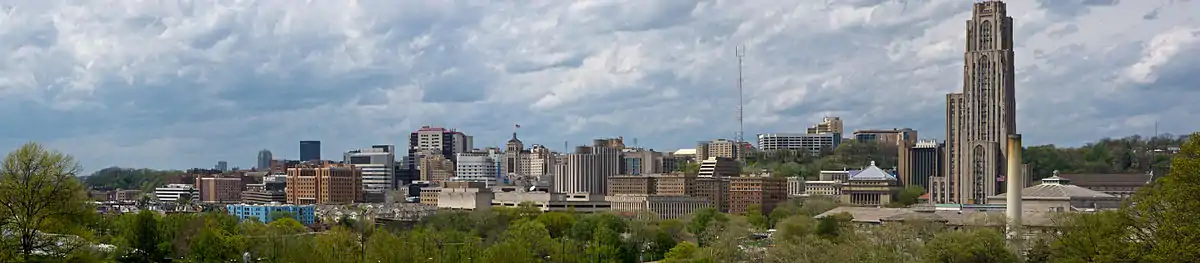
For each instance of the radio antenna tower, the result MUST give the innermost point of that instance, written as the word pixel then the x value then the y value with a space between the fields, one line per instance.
pixel 740 52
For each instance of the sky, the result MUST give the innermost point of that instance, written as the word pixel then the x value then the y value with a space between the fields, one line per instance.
pixel 185 83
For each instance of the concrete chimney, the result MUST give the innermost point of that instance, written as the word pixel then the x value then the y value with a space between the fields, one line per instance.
pixel 1015 177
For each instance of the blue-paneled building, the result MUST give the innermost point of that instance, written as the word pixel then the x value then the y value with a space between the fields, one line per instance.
pixel 304 213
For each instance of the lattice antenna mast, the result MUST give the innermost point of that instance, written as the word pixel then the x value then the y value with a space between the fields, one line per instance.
pixel 740 52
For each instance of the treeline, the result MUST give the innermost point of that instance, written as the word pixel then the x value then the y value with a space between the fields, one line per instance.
pixel 130 178
pixel 1133 154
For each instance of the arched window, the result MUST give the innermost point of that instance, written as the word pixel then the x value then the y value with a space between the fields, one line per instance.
pixel 978 171
pixel 985 36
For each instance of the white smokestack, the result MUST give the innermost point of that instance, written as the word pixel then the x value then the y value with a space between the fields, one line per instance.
pixel 1014 179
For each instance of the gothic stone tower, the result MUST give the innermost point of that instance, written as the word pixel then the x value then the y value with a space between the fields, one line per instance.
pixel 980 118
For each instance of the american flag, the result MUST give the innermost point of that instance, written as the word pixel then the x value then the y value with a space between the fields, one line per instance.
pixel 518 126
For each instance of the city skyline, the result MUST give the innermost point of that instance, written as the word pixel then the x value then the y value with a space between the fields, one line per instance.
pixel 156 88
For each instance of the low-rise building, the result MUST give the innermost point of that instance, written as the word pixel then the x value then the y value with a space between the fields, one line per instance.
pixel 173 192
pixel 870 187
pixel 1119 185
pixel 719 167
pixel 761 189
pixel 263 212
pixel 1056 194
pixel 548 202
pixel 465 196
pixel 664 206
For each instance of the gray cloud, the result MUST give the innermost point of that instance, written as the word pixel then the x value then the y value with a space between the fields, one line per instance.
pixel 163 84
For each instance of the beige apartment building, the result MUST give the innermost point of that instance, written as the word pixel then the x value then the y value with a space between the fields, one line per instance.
pixel 830 124
pixel 760 190
pixel 717 148
pixel 219 189
pixel 324 184
pixel 435 168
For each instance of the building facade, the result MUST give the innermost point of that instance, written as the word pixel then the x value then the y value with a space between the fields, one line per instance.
pixel 324 184
pixel 310 151
pixel 870 187
pixel 587 170
pixel 719 167
pixel 378 165
pixel 435 168
pixel 898 137
pixel 980 118
pixel 264 160
pixel 662 206
pixel 812 143
pixel 925 160
pixel 477 167
pixel 718 148
pixel 764 191
pixel 219 189
pixel 830 124
pixel 263 212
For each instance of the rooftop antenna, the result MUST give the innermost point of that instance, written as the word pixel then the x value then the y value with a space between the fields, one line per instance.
pixel 740 52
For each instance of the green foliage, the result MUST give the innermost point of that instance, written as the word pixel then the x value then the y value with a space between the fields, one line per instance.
pixel 276 215
pixel 977 245
pixel 1133 154
pixel 690 168
pixel 40 195
pixel 754 215
pixel 910 195
pixel 130 178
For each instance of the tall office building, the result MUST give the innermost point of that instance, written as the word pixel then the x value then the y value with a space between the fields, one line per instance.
pixel 587 170
pixel 516 158
pixel 477 167
pixel 436 140
pixel 378 165
pixel 925 160
pixel 831 124
pixel 899 137
pixel 310 151
pixel 264 160
pixel 979 119
pixel 718 148
pixel 221 166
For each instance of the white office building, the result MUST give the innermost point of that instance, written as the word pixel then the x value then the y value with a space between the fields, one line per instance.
pixel 173 192
pixel 813 143
pixel 477 167
pixel 378 165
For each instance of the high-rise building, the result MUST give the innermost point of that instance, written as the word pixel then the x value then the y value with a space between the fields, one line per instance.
pixel 264 160
pixel 587 170
pixel 828 125
pixel 435 168
pixel 477 167
pixel 980 118
pixel 718 148
pixel 378 165
pixel 541 161
pixel 436 140
pixel 310 151
pixel 925 160
pixel 324 184
pixel 642 162
pixel 516 158
pixel 221 166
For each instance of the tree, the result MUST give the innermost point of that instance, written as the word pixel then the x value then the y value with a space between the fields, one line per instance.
pixel 977 245
pixel 145 240
pixel 40 197
pixel 684 252
pixel 754 215
pixel 1164 214
pixel 557 223
pixel 276 215
pixel 910 195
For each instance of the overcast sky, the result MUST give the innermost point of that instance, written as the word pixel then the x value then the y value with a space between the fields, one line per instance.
pixel 179 84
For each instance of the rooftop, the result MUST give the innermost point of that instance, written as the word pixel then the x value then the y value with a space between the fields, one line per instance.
pixel 1055 187
pixel 872 173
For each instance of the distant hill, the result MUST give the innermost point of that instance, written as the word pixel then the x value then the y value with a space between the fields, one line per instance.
pixel 129 178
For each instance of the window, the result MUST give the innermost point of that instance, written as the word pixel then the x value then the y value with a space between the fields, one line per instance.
pixel 985 36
